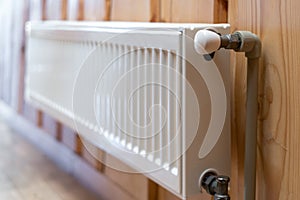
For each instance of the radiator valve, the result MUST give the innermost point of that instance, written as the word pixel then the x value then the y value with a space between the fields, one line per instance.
pixel 216 186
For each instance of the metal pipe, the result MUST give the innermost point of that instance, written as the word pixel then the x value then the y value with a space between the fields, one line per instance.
pixel 251 45
pixel 251 129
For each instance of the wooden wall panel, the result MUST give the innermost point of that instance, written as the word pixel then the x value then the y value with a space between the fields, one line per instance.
pixel 56 9
pixel 277 24
pixel 68 137
pixel 133 183
pixel 164 194
pixel 72 10
pixel 49 125
pixel 96 10
pixel 130 10
pixel 187 11
pixel 220 13
pixel 91 154
pixel 75 9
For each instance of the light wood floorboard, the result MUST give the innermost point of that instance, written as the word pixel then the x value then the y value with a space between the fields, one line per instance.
pixel 27 174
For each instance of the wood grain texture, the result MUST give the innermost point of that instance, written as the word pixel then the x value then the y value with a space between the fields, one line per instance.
pixel 78 145
pixel 130 10
pixel 164 194
pixel 187 11
pixel 107 16
pixel 64 8
pixel 220 11
pixel 278 164
pixel 80 14
pixel 152 190
pixel 155 13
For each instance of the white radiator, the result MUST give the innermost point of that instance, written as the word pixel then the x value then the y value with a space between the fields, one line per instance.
pixel 139 91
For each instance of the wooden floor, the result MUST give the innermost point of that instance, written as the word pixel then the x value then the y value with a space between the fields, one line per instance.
pixel 27 174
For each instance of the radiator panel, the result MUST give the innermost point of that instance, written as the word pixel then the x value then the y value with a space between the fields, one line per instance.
pixel 134 90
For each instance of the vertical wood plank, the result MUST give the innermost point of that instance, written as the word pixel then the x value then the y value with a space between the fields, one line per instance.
pixel 79 145
pixel 220 11
pixel 64 9
pixel 55 9
pixel 95 10
pixel 155 13
pixel 68 137
pixel 130 10
pixel 196 11
pixel 44 9
pixel 164 194
pixel 39 120
pixel 49 125
pixel 73 9
pixel 107 10
pixel 135 184
pixel 165 10
pixel 80 15
pixel 59 133
pixel 92 154
pixel 152 190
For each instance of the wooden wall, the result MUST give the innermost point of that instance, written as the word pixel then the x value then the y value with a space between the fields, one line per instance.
pixel 278 25
pixel 276 22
